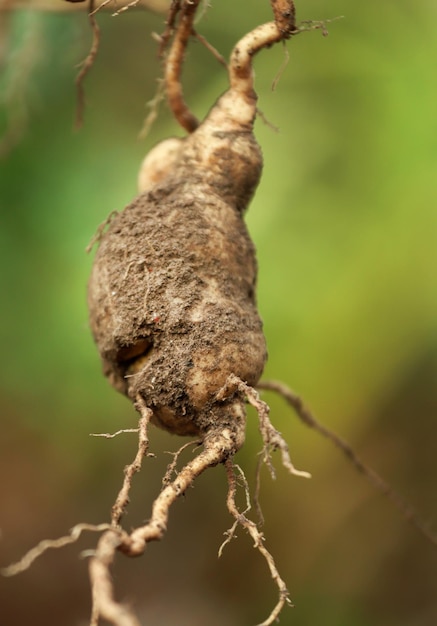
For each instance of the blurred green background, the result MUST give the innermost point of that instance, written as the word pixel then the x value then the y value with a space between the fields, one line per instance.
pixel 345 223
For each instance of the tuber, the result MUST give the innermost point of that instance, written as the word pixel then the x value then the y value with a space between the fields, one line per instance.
pixel 172 290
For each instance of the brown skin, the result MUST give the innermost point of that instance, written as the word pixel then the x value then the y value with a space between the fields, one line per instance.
pixel 172 290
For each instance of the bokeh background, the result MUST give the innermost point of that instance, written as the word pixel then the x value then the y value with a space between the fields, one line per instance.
pixel 345 223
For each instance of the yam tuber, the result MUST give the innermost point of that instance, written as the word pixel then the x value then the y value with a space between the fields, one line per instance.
pixel 172 290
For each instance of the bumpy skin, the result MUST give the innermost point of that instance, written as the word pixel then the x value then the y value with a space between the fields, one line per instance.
pixel 172 290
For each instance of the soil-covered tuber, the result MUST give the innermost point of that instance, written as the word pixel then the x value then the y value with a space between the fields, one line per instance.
pixel 172 291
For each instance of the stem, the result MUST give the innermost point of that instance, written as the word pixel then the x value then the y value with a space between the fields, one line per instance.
pixel 240 66
pixel 173 68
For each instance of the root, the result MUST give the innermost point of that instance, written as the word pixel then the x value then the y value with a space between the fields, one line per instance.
pixel 174 62
pixel 264 36
pixel 112 435
pixel 153 106
pixel 215 53
pixel 307 25
pixel 281 69
pixel 154 6
pixel 103 603
pixel 175 7
pixel 171 468
pixel 100 230
pixel 126 7
pixel 256 497
pixel 122 499
pixel 272 439
pixel 240 66
pixel 87 65
pixel 218 446
pixel 308 418
pixel 171 86
pixel 258 540
pixel 230 533
pixel 220 58
pixel 48 544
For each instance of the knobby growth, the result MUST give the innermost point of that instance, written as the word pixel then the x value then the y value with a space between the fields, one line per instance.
pixel 173 311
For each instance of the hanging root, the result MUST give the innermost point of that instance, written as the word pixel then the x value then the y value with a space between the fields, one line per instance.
pixel 307 417
pixel 87 65
pixel 102 590
pixel 122 500
pixel 49 544
pixel 153 107
pixel 307 25
pixel 215 53
pixel 174 62
pixel 240 65
pixel 171 468
pixel 230 533
pixel 116 434
pixel 258 539
pixel 272 439
pixel 218 446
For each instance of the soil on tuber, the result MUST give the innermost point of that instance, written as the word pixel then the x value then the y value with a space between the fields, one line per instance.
pixel 172 291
